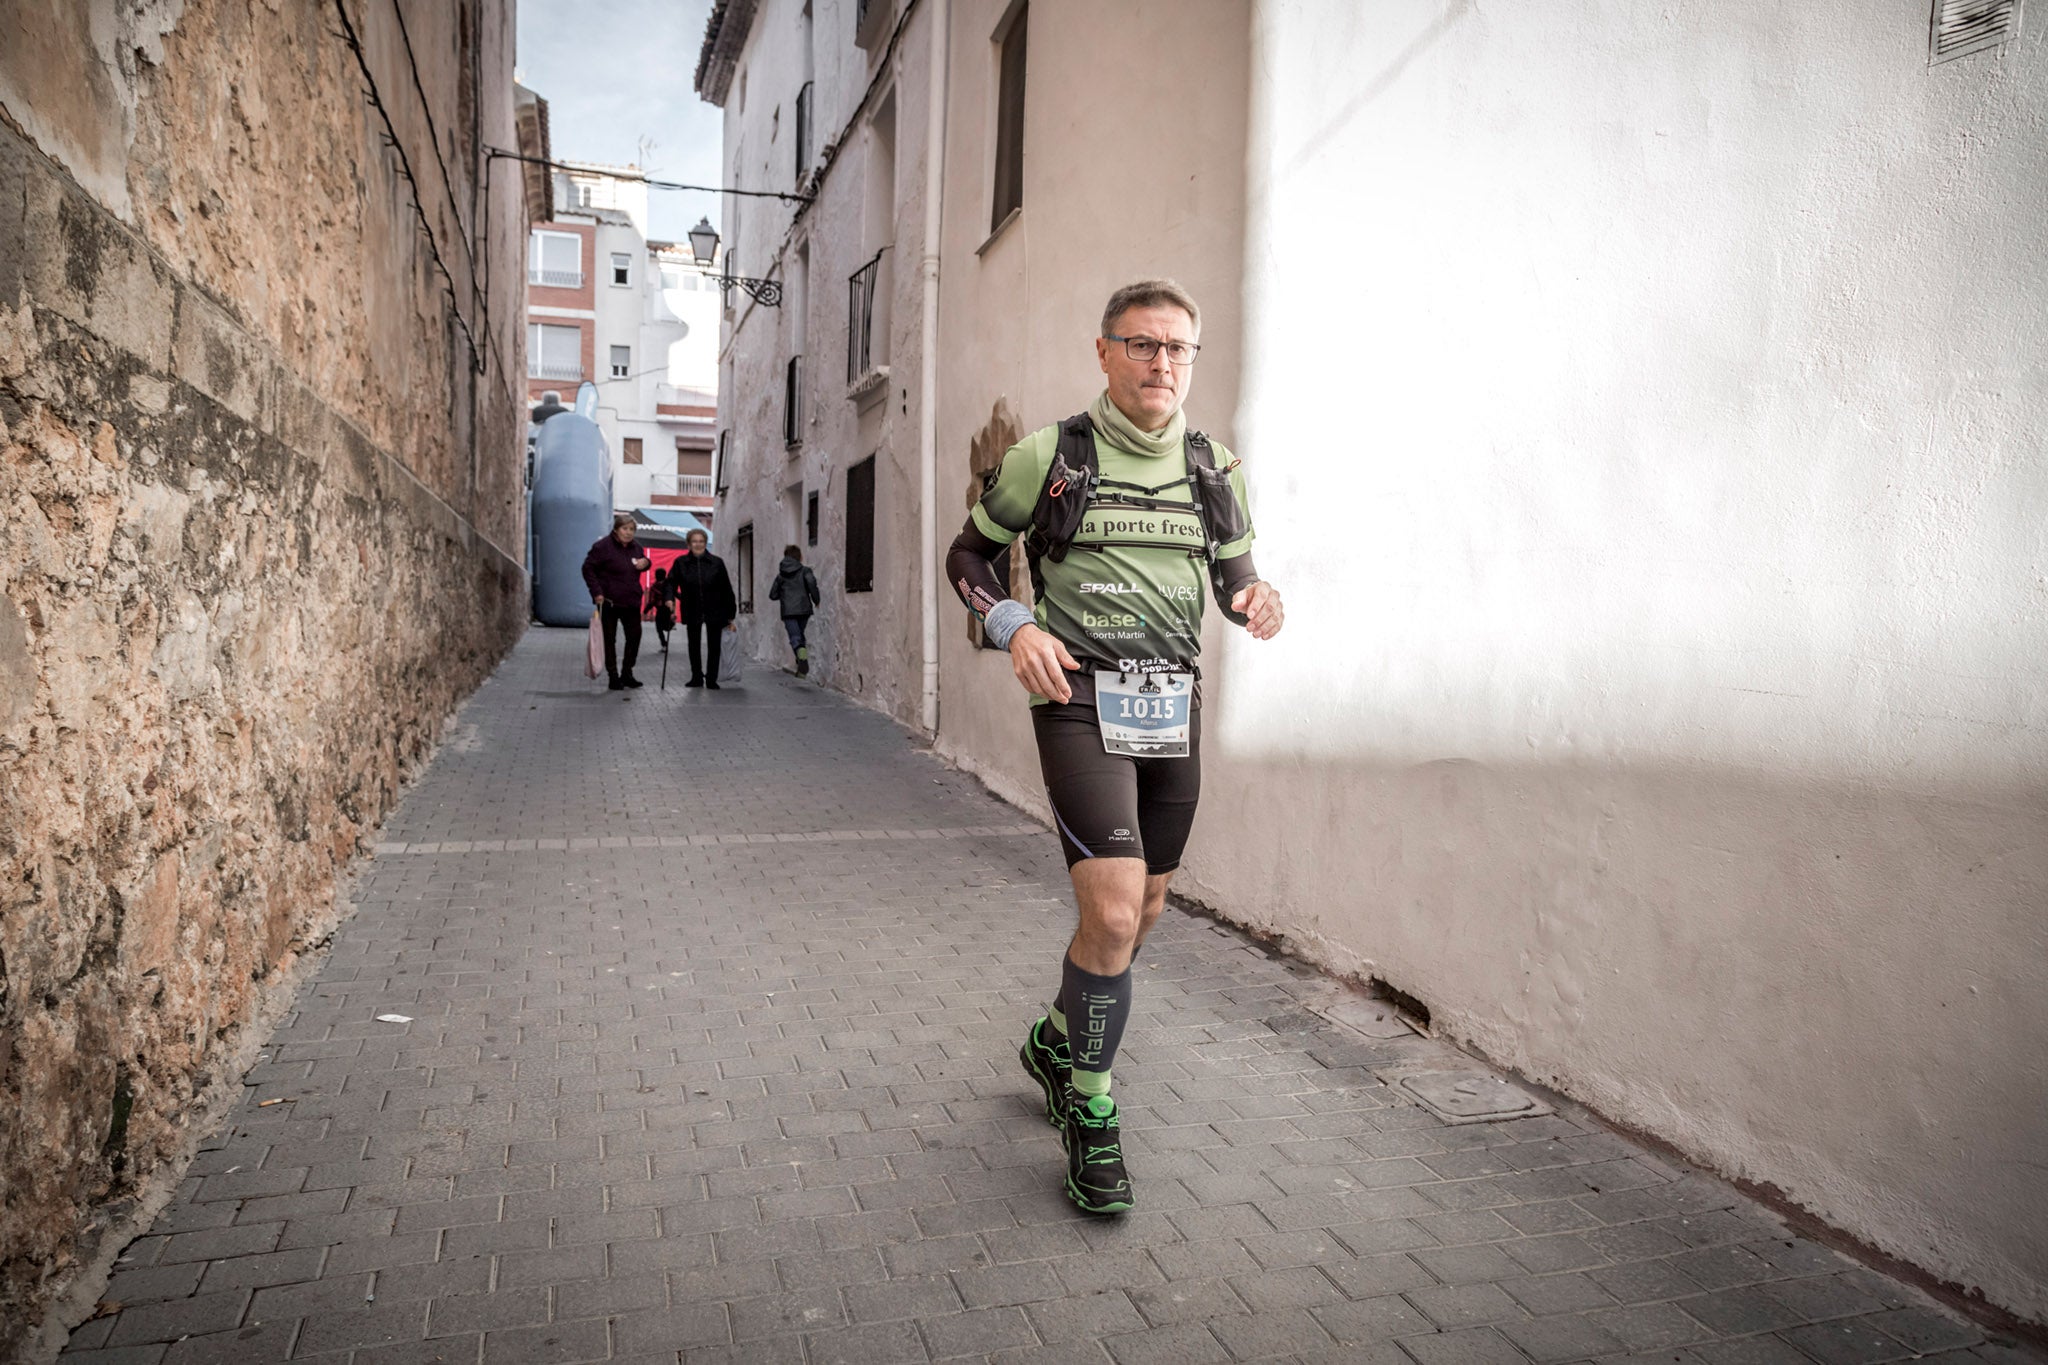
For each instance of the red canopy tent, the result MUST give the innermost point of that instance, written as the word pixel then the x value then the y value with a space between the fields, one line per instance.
pixel 660 558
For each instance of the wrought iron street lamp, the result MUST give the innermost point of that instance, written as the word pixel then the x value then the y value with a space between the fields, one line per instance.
pixel 704 248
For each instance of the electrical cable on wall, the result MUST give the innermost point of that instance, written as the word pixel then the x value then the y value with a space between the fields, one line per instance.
pixel 478 358
pixel 434 140
pixel 498 153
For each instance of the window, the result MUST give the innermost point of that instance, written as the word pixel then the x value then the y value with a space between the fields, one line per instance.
pixel 632 445
pixel 556 259
pixel 622 268
pixel 622 362
pixel 1009 183
pixel 803 131
pixel 860 526
pixel 553 352
pixel 584 194
pixel 720 474
pixel 869 288
pixel 671 277
pixel 743 567
pixel 793 402
pixel 811 519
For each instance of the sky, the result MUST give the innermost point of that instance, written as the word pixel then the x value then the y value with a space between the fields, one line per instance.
pixel 616 71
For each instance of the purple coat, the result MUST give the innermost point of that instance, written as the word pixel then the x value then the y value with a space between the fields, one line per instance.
pixel 609 573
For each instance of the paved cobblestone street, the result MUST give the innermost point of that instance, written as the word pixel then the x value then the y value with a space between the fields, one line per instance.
pixel 712 1003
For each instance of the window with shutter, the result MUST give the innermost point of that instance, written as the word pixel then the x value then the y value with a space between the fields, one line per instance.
pixel 860 526
pixel 554 352
pixel 556 259
pixel 1960 27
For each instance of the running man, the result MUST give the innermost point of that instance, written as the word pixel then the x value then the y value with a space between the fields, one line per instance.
pixel 1124 513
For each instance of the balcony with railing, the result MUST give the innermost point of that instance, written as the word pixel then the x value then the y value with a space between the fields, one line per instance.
pixel 555 279
pixel 862 373
pixel 681 489
pixel 554 369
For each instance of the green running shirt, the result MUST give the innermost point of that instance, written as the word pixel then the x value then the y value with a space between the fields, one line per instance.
pixel 1131 590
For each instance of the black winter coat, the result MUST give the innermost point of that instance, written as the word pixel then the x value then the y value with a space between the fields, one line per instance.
pixel 609 573
pixel 702 590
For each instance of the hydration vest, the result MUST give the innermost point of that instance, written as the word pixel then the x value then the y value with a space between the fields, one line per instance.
pixel 1074 479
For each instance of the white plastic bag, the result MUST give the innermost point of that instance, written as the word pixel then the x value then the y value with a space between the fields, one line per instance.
pixel 729 659
pixel 593 663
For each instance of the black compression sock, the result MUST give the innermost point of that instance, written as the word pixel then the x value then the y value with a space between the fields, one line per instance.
pixel 1101 1006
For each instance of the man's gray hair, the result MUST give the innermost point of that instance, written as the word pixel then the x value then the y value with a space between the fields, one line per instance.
pixel 1149 294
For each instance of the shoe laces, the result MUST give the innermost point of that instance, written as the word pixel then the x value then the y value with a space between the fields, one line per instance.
pixel 1098 1112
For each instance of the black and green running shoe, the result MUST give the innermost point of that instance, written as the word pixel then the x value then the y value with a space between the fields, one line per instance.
pixel 1048 1064
pixel 1096 1179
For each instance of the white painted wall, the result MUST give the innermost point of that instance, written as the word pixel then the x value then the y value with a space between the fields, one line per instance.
pixel 1665 542
pixel 1643 410
pixel 635 315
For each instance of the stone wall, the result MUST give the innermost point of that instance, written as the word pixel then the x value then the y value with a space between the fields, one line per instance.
pixel 259 519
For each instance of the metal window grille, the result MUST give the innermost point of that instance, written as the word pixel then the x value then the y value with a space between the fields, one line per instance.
pixel 1960 27
pixel 860 526
pixel 860 318
pixel 719 473
pixel 793 402
pixel 804 124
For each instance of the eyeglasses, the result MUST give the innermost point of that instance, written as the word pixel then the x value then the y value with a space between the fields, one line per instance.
pixel 1145 349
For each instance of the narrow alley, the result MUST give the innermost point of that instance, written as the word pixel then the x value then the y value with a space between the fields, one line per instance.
pixel 683 1026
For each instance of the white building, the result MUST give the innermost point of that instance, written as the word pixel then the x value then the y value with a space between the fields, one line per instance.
pixel 639 320
pixel 1642 410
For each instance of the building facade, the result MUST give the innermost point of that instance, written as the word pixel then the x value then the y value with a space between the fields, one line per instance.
pixel 826 429
pixel 637 319
pixel 1648 474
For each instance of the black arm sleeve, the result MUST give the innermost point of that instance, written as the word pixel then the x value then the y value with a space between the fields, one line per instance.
pixel 970 570
pixel 1237 572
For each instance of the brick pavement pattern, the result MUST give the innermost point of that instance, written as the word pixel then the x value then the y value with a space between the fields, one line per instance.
pixel 713 1002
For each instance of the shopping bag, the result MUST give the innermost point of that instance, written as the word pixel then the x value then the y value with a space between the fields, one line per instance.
pixel 729 660
pixel 593 663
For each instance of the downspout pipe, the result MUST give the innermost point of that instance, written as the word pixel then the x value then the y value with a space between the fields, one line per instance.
pixel 928 368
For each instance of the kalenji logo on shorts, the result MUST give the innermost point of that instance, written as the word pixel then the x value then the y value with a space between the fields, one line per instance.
pixel 1112 589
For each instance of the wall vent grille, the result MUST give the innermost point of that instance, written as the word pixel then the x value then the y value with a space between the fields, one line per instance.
pixel 1960 27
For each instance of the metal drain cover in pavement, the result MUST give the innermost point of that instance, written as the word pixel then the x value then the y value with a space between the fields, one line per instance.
pixel 1469 1096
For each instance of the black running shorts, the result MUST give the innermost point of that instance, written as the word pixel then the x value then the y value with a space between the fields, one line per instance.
pixel 1112 805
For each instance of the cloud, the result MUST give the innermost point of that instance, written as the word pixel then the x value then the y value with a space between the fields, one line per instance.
pixel 615 71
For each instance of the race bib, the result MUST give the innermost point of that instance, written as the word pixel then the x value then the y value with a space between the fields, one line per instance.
pixel 1144 715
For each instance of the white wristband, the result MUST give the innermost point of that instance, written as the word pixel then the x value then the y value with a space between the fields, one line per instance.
pixel 1003 621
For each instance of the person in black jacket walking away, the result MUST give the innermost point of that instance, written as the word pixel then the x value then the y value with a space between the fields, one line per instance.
pixel 796 587
pixel 612 573
pixel 704 597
